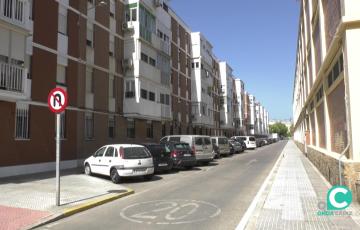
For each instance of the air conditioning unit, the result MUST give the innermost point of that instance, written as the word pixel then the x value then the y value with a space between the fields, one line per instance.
pixel 127 63
pixel 158 3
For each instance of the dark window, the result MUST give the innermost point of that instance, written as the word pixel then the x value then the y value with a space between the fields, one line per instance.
pixel 152 61
pixel 167 99
pixel 207 141
pixel 89 126
pixel 133 14
pixel 175 139
pixel 192 65
pixel 197 64
pixel 144 57
pixel 251 138
pixel 163 130
pixel 198 141
pixel 131 129
pixel 180 130
pixel 143 93
pixel 151 96
pixel 136 153
pixel 149 130
pixel 99 152
pixel 111 127
pixel 109 152
pixel 162 98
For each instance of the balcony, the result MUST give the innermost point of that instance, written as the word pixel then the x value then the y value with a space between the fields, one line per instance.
pixel 142 109
pixel 160 44
pixel 165 78
pixel 13 82
pixel 16 12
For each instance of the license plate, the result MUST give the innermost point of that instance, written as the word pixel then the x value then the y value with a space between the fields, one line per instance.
pixel 163 164
pixel 187 155
pixel 139 170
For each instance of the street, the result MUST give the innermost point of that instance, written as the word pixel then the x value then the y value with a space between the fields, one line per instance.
pixel 208 197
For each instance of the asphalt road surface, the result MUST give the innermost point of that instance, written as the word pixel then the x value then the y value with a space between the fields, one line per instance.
pixel 207 197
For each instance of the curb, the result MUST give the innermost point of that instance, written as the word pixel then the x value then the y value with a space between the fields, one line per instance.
pixel 82 207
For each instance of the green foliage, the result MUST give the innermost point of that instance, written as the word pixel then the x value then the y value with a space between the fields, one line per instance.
pixel 280 129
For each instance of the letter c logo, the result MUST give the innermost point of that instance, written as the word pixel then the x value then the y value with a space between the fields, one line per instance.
pixel 338 198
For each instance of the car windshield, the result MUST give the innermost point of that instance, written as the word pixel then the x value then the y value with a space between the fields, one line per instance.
pixel 223 141
pixel 181 146
pixel 136 153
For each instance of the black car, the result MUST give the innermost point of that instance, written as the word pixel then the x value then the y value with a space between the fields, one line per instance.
pixel 161 157
pixel 181 154
pixel 243 145
pixel 235 147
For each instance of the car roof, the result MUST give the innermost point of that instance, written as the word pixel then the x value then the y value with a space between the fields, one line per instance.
pixel 123 145
pixel 187 136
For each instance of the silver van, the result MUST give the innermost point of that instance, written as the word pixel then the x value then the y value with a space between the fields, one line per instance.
pixel 200 145
pixel 222 145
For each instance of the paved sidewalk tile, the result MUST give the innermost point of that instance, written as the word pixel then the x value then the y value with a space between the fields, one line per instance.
pixel 292 202
pixel 18 218
pixel 25 201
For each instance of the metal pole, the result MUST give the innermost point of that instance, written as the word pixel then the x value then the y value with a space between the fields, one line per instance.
pixel 57 159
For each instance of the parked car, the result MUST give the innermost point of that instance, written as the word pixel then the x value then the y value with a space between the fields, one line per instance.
pixel 250 141
pixel 181 153
pixel 121 160
pixel 243 145
pixel 216 151
pixel 161 157
pixel 235 146
pixel 200 145
pixel 222 145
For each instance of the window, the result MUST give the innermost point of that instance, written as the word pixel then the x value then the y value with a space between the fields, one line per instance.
pixel 197 64
pixel 198 140
pixel 112 8
pixel 174 139
pixel 22 121
pixel 130 89
pixel 151 96
pixel 144 57
pixel 162 98
pixel 143 93
pixel 179 131
pixel 131 128
pixel 163 130
pixel 192 65
pixel 167 99
pixel 319 94
pixel 111 124
pixel 89 126
pixel 149 130
pixel 152 61
pixel 133 15
pixel 109 152
pixel 99 152
pixel 147 24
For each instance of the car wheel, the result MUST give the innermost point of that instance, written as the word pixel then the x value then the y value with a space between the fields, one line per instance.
pixel 148 177
pixel 206 163
pixel 115 178
pixel 87 170
pixel 189 167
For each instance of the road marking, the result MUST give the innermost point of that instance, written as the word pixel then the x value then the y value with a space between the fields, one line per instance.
pixel 250 162
pixel 164 212
pixel 246 217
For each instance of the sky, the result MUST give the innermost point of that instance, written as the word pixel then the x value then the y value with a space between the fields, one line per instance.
pixel 258 40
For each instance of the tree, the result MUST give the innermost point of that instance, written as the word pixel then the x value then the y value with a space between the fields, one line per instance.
pixel 280 129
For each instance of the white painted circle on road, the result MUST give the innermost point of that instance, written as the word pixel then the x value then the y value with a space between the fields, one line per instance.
pixel 165 212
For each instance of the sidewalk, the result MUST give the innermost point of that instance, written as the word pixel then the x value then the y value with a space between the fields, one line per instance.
pixel 290 200
pixel 29 200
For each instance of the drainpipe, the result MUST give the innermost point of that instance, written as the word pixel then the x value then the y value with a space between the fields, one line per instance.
pixel 341 155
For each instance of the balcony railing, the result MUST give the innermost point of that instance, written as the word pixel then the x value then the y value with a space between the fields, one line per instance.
pixel 12 78
pixel 15 12
pixel 165 78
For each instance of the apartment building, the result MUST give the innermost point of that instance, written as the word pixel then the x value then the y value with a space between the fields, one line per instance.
pixel 226 99
pixel 251 114
pixel 181 52
pixel 239 107
pixel 325 111
pixel 203 81
pixel 76 45
pixel 147 74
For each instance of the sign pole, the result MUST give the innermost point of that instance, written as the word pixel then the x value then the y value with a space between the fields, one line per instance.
pixel 58 159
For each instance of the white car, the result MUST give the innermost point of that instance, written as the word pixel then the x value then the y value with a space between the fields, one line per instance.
pixel 121 160
pixel 250 141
